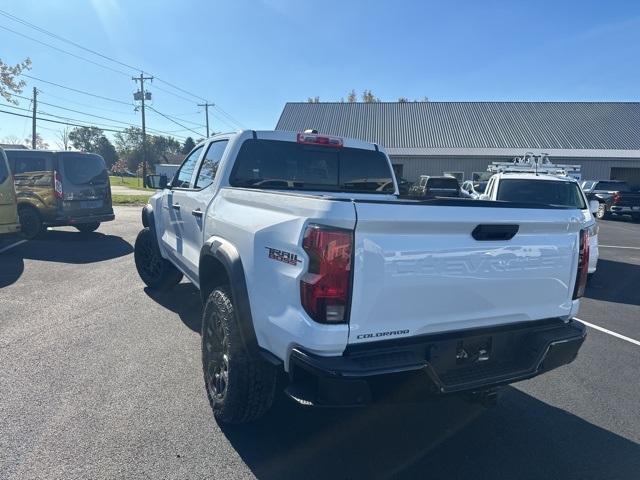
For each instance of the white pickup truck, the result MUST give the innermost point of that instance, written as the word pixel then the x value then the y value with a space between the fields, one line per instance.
pixel 310 263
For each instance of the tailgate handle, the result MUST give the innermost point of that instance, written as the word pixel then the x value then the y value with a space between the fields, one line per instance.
pixel 494 232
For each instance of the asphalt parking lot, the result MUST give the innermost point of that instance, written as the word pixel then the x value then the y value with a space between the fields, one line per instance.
pixel 102 379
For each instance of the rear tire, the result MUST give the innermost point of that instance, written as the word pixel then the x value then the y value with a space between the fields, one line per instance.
pixel 602 211
pixel 156 272
pixel 88 227
pixel 30 222
pixel 240 384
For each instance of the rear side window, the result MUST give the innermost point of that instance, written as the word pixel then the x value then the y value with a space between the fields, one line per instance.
pixel 84 169
pixel 288 165
pixel 565 194
pixel 29 165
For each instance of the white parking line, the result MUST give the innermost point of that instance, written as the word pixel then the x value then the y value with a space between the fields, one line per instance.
pixel 19 242
pixel 614 334
pixel 618 246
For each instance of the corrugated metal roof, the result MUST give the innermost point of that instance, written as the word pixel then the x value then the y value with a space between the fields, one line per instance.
pixel 539 125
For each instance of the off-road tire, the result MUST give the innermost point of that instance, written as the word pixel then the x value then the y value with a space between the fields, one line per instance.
pixel 87 227
pixel 30 222
pixel 249 380
pixel 156 272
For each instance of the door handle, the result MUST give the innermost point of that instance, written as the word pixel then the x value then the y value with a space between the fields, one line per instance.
pixel 175 206
pixel 197 213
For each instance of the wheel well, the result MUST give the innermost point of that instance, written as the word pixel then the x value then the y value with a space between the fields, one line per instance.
pixel 212 274
pixel 28 206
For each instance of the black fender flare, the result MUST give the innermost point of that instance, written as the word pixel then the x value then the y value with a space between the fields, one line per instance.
pixel 225 252
pixel 148 220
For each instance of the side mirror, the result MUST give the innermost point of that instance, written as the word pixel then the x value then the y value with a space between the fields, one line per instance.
pixel 594 205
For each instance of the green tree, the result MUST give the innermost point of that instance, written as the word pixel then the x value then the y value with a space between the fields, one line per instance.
pixel 315 99
pixel 188 145
pixel 9 83
pixel 85 138
pixel 93 139
pixel 129 146
pixel 369 97
pixel 352 97
pixel 403 100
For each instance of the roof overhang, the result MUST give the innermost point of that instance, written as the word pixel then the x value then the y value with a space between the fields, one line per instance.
pixel 511 152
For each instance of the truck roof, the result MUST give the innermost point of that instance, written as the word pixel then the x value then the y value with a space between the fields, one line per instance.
pixel 533 176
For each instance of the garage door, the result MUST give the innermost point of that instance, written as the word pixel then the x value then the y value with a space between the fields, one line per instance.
pixel 629 175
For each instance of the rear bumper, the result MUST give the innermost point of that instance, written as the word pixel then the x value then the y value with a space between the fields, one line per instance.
pixel 77 219
pixel 625 210
pixel 466 361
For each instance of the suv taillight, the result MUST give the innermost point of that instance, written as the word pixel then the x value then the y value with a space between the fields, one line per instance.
pixel 324 289
pixel 57 184
pixel 583 264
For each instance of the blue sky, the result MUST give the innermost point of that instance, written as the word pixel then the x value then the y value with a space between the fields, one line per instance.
pixel 250 57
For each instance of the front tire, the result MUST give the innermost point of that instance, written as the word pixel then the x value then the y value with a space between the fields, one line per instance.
pixel 240 384
pixel 88 227
pixel 156 272
pixel 30 222
pixel 602 211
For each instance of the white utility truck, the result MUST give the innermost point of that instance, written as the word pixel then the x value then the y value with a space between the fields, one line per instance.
pixel 309 263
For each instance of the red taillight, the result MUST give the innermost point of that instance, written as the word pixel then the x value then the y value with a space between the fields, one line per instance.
pixel 324 289
pixel 322 140
pixel 616 197
pixel 57 184
pixel 583 265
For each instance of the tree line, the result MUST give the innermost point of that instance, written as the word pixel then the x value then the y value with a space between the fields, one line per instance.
pixel 367 96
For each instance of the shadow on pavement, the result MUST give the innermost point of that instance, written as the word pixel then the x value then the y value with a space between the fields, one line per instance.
pixel 183 299
pixel 521 438
pixel 64 247
pixel 616 282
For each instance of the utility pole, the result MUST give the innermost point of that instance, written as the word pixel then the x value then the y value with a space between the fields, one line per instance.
pixel 142 96
pixel 206 110
pixel 33 120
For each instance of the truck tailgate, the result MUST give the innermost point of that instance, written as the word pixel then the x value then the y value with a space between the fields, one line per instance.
pixel 418 269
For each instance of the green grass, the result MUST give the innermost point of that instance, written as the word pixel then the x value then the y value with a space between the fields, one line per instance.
pixel 130 199
pixel 130 182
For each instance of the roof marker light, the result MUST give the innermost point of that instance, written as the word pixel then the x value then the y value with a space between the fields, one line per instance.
pixel 320 140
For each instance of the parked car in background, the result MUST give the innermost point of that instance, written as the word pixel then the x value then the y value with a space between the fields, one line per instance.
pixel 614 197
pixel 306 267
pixel 474 189
pixel 9 222
pixel 545 189
pixel 429 186
pixel 60 188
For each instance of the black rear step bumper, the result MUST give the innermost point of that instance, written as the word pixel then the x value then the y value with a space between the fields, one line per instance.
pixel 465 361
pixel 78 219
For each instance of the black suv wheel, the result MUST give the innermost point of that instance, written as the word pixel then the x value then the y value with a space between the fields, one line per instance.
pixel 30 222
pixel 240 384
pixel 156 272
pixel 88 227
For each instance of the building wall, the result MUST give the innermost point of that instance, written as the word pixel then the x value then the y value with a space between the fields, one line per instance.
pixel 413 167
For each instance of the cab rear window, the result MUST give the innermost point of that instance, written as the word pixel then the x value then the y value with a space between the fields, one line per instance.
pixel 272 164
pixel 549 192
pixel 82 169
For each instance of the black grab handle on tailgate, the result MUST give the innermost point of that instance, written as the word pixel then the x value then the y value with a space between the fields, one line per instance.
pixel 494 232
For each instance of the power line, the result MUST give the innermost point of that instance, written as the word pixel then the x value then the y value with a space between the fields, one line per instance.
pixel 171 120
pixel 63 51
pixel 58 37
pixel 106 57
pixel 56 121
pixel 76 90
